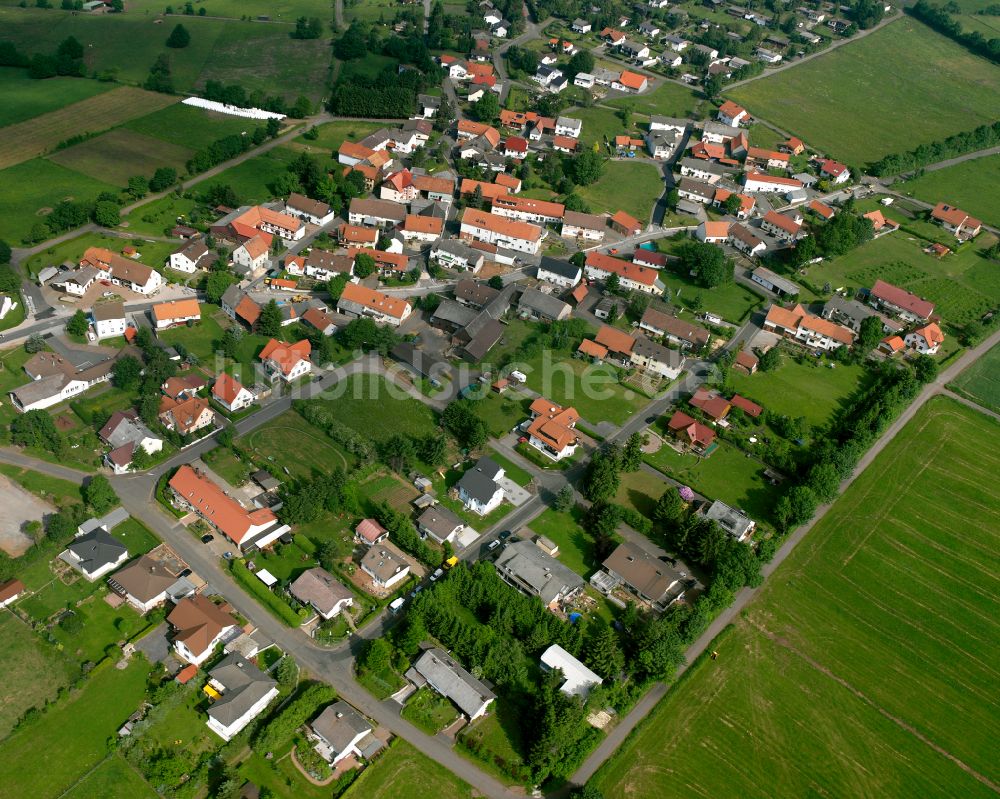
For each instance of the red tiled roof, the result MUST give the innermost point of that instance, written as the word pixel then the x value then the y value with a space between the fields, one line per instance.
pixel 901 298
pixel 615 340
pixel 285 356
pixel 626 221
pixel 822 209
pixel 227 388
pixel 231 518
pixel 749 408
pixel 625 269
pixel 589 347
pixel 710 403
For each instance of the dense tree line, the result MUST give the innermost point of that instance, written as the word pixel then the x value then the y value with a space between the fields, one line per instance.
pixel 981 138
pixel 940 18
pixel 283 726
pixel 231 146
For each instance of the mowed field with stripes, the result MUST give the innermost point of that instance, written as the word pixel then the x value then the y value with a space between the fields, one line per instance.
pixel 869 664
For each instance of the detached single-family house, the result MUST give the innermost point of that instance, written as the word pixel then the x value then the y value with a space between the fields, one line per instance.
pixel 902 303
pixel 94 554
pixel 780 226
pixel 314 211
pixel 109 319
pixel 241 692
pixel 526 567
pixel 10 591
pixel 369 532
pixel 385 565
pixel 743 239
pixel 199 625
pixel 175 312
pixel 733 521
pixel 322 591
pixel 577 678
pixel 252 254
pixel 358 301
pixel 652 357
pixel 231 394
pixel 144 583
pixel 441 671
pixel 834 171
pixel 926 340
pixel 189 257
pixel 287 361
pixel 479 488
pixel 186 416
pixel 123 433
pixel 340 731
pixel 630 275
pixel 690 431
pixel 455 254
pixel 630 82
pixel 440 524
pixel 759 182
pixel 673 329
pixel 956 221
pixel 560 273
pixel 732 114
pixel 580 26
pixel 552 429
pixel 647 577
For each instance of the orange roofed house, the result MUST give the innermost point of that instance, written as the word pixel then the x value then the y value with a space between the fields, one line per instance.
pixel 199 625
pixel 359 301
pixel 697 436
pixel 186 416
pixel 176 312
pixel 231 394
pixel 274 222
pixel 630 82
pixel 248 529
pixel 552 429
pixel 956 221
pixel 287 361
pixel 812 331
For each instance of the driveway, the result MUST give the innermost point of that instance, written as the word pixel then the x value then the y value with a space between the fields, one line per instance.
pixel 517 495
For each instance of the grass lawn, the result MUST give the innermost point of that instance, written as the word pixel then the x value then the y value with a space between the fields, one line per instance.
pixel 224 462
pixel 727 474
pixel 667 99
pixel 369 10
pixel 290 442
pixel 970 185
pixel 364 402
pixel 640 491
pixel 29 190
pixel 99 112
pixel 623 186
pixel 26 97
pixel 368 67
pixel 833 100
pixel 179 723
pixel 103 626
pixel 28 656
pixel 981 381
pixel 497 739
pixel 158 217
pixel 51 489
pixel 333 134
pixel 576 548
pixel 404 773
pixel 119 154
pixel 281 777
pixel 115 778
pixel 188 126
pixel 96 408
pixel 873 647
pixel 732 302
pixel 430 711
pixel 963 285
pixel 601 124
pixel 277 11
pixel 13 317
pixel 763 136
pixel 200 339
pixel 518 474
pixel 808 389
pixel 35 768
pixel 251 179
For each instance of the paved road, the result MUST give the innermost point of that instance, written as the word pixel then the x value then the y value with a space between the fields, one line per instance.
pixel 531 31
pixel 839 43
pixel 746 595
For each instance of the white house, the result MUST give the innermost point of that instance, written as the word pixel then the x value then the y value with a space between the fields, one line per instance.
pixel 314 211
pixel 109 319
pixel 231 394
pixel 144 583
pixel 759 182
pixel 94 554
pixel 124 272
pixel 567 126
pixel 494 229
pixel 732 114
pixel 440 524
pixel 10 591
pixel 577 678
pixel 745 241
pixel 340 731
pixel 437 668
pixel 652 357
pixel 454 254
pixel 552 429
pixel 241 692
pixel 175 312
pixel 198 625
pixel 189 257
pixel 322 591
pixel 812 331
pixel 385 565
pixel 356 300
pixel 479 488
pixel 76 281
pixel 586 227
pixel 926 340
pixel 584 80
pixel 287 361
pixel 252 254
pixel 580 26
pixel 631 276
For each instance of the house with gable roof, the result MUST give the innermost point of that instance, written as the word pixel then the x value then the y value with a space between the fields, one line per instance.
pixel 552 429
pixel 231 394
pixel 242 692
pixel 198 626
pixel 287 361
pixel 479 488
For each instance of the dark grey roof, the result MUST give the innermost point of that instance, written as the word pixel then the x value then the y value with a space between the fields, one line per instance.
pixel 96 550
pixel 244 684
pixel 439 521
pixel 542 304
pixel 645 348
pixel 232 295
pixel 484 335
pixel 479 482
pixel 565 268
pixel 478 294
pixel 454 313
pixel 108 310
pixel 448 678
pixel 381 209
pixel 776 280
pixel 704 166
pixel 525 565
pixel 697 187
pixel 339 725
pixel 733 521
pixel 421 362
pixel 459 249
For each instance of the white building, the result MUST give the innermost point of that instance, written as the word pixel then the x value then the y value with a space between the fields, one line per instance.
pixel 252 254
pixel 109 319
pixel 189 257
pixel 242 691
pixel 479 488
pixel 314 211
pixel 578 679
pixel 587 227
pixel 566 126
pixel 493 229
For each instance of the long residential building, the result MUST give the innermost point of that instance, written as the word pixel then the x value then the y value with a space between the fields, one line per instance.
pixel 359 301
pixel 812 331
pixel 631 276
pixel 494 229
pixel 528 210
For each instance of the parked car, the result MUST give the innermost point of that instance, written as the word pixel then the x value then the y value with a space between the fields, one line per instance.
pixel 505 535
pixel 227 555
pixel 207 538
pixel 493 545
pixel 437 575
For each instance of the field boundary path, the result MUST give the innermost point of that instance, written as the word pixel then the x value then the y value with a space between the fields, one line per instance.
pixel 767 73
pixel 618 735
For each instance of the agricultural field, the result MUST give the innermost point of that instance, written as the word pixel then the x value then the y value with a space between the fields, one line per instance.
pixel 836 102
pixel 872 649
pixel 970 185
pixel 370 10
pixel 981 381
pixel 187 126
pixel 630 187
pixel 404 773
pixel 114 778
pixel 30 189
pixel 801 388
pixel 26 98
pixel 119 154
pixel 333 134
pixel 33 767
pixel 964 285
pixel 279 11
pixel 41 134
pixel 251 179
pixel 27 656
pixel 667 99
